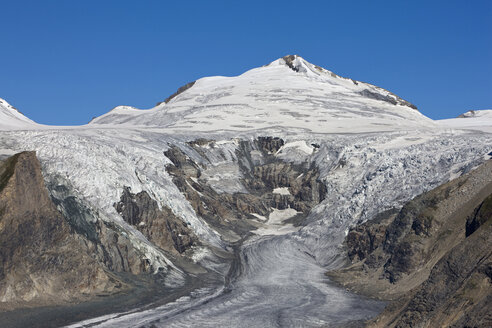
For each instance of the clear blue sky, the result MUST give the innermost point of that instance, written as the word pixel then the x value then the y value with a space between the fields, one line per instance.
pixel 63 62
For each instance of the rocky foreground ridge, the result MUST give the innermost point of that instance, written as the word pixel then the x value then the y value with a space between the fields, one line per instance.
pixel 432 259
pixel 41 256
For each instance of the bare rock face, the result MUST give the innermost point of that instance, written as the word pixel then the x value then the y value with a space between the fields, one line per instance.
pixel 391 98
pixel 363 239
pixel 305 190
pixel 481 214
pixel 218 209
pixel 270 144
pixel 433 259
pixel 178 92
pixel 458 291
pixel 160 226
pixel 300 185
pixel 112 247
pixel 289 61
pixel 42 260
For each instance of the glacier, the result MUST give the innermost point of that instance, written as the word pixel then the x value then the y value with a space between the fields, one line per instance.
pixel 374 152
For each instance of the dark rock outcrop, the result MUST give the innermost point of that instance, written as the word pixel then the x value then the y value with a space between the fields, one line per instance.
pixel 364 238
pixel 112 246
pixel 160 226
pixel 458 291
pixel 233 211
pixel 407 240
pixel 289 61
pixel 218 209
pixel 390 98
pixel 481 214
pixel 305 189
pixel 270 144
pixel 178 92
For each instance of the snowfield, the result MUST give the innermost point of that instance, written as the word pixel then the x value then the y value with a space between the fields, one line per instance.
pixel 477 120
pixel 373 150
pixel 310 99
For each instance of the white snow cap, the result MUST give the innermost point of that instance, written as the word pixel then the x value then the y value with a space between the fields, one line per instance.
pixel 300 65
pixel 477 113
pixel 12 119
pixel 480 120
pixel 288 93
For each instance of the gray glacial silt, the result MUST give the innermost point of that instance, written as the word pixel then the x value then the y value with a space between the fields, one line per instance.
pixel 279 285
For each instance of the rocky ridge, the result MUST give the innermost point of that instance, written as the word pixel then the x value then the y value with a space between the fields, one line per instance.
pixel 43 260
pixel 160 226
pixel 432 258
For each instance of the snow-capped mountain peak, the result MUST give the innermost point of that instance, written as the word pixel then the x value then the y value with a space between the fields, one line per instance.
pixel 288 93
pixel 12 119
pixel 299 65
pixel 294 62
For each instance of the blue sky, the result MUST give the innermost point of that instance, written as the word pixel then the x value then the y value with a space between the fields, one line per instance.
pixel 63 62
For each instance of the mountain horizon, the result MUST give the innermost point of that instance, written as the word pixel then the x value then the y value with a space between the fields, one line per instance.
pixel 296 69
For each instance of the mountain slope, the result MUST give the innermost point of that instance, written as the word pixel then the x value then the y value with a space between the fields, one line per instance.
pixel 433 258
pixel 287 93
pixel 42 260
pixel 12 119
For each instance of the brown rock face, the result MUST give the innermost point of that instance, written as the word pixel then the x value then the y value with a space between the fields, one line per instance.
pixel 363 239
pixel 435 259
pixel 111 246
pixel 270 144
pixel 458 291
pixel 160 226
pixel 481 214
pixel 219 210
pixel 41 259
pixel 289 61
